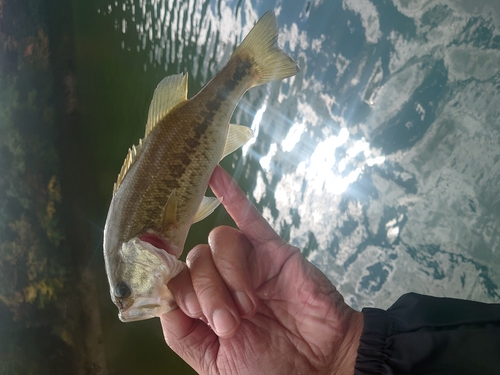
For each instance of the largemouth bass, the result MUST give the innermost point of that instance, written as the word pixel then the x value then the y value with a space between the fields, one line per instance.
pixel 160 189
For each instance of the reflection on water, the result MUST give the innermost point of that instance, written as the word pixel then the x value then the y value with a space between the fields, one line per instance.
pixel 382 154
pixel 380 159
pixel 194 34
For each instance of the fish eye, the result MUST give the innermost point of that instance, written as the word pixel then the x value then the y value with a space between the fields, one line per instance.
pixel 122 290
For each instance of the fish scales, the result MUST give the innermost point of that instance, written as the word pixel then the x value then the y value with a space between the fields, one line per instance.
pixel 160 190
pixel 214 105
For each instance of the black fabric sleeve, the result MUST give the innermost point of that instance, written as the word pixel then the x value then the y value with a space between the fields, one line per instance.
pixel 428 335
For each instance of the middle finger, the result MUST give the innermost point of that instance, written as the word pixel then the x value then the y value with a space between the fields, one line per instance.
pixel 213 295
pixel 232 253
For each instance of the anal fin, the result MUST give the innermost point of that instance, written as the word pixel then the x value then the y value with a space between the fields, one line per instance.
pixel 237 136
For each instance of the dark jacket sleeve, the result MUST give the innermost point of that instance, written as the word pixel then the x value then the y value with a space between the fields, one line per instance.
pixel 428 335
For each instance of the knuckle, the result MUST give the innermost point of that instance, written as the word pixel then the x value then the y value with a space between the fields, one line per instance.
pixel 220 236
pixel 197 254
pixel 206 289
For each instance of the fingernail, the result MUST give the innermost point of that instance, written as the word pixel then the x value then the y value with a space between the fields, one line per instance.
pixel 244 302
pixel 192 305
pixel 223 321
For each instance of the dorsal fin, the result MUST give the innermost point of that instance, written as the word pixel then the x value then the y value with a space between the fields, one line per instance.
pixel 171 91
pixel 129 160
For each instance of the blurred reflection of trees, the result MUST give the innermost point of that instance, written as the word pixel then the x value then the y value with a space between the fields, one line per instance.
pixel 36 334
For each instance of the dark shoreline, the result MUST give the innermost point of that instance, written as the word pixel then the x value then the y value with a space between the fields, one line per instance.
pixel 89 353
pixel 57 329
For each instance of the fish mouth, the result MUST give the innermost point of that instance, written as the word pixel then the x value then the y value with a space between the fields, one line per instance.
pixel 135 315
pixel 147 308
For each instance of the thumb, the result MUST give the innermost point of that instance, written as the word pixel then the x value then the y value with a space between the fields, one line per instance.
pixel 191 339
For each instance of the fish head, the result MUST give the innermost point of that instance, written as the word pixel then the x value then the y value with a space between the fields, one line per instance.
pixel 138 278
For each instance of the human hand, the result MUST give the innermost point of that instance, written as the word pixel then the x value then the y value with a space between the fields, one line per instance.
pixel 251 304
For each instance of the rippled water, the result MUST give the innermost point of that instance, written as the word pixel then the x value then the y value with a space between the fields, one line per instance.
pixel 380 159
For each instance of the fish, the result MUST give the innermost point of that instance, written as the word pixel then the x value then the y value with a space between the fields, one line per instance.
pixel 160 190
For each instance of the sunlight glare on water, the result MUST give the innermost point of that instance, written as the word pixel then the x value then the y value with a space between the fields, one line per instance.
pixel 380 158
pixel 255 129
pixel 322 170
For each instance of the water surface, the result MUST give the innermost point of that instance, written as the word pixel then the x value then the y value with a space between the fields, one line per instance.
pixel 380 159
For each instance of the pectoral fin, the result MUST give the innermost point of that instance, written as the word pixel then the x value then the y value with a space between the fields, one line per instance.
pixel 207 206
pixel 237 136
pixel 170 211
pixel 171 91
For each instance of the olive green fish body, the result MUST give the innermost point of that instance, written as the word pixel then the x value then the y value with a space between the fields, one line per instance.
pixel 180 153
pixel 160 190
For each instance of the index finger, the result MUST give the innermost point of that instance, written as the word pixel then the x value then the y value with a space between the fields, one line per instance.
pixel 245 215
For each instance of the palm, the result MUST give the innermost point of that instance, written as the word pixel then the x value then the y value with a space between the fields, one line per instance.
pixel 296 328
pixel 295 322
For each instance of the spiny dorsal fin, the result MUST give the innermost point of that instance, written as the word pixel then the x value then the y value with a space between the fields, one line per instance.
pixel 129 160
pixel 237 136
pixel 171 91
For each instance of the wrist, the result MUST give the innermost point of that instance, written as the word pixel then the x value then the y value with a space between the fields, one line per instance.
pixel 348 349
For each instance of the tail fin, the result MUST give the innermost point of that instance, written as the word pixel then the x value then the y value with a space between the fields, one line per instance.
pixel 269 61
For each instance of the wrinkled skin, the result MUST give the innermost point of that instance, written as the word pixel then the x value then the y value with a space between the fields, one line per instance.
pixel 272 312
